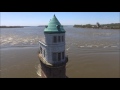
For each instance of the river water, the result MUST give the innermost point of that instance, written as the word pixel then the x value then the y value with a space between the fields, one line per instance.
pixel 92 53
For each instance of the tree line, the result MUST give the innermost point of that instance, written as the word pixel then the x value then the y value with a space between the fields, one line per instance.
pixel 102 26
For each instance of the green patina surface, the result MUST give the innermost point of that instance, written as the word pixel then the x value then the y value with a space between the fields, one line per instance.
pixel 54 26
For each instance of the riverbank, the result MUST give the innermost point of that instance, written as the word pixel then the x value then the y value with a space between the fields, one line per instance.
pixel 98 26
pixel 11 26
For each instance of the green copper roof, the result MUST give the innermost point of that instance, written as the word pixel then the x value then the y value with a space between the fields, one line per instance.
pixel 54 26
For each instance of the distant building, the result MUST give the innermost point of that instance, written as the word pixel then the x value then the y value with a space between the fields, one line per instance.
pixel 105 27
pixel 52 51
pixel 98 25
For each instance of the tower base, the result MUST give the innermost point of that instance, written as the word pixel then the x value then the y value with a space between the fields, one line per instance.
pixel 52 71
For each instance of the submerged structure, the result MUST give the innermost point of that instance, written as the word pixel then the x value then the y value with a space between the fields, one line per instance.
pixel 52 51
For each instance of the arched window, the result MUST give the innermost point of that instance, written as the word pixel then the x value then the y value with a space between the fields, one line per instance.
pixel 44 53
pixel 62 39
pixel 54 39
pixel 59 56
pixel 63 55
pixel 54 56
pixel 59 39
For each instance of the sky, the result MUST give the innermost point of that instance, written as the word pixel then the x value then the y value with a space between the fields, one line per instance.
pixel 65 18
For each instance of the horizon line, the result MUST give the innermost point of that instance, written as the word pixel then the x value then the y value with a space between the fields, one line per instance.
pixel 64 24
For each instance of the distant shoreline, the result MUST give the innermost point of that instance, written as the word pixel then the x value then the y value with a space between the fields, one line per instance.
pixel 11 26
pixel 100 26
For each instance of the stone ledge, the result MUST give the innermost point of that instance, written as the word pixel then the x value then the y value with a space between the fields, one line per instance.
pixel 54 64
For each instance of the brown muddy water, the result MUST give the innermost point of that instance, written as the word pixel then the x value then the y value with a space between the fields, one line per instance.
pixel 92 53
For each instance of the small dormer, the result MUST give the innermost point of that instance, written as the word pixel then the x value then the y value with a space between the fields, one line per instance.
pixel 46 26
pixel 58 27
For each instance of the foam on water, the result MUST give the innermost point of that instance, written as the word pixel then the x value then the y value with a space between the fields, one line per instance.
pixel 81 46
pixel 38 70
pixel 10 38
pixel 89 46
pixel 105 46
pixel 114 46
pixel 68 48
